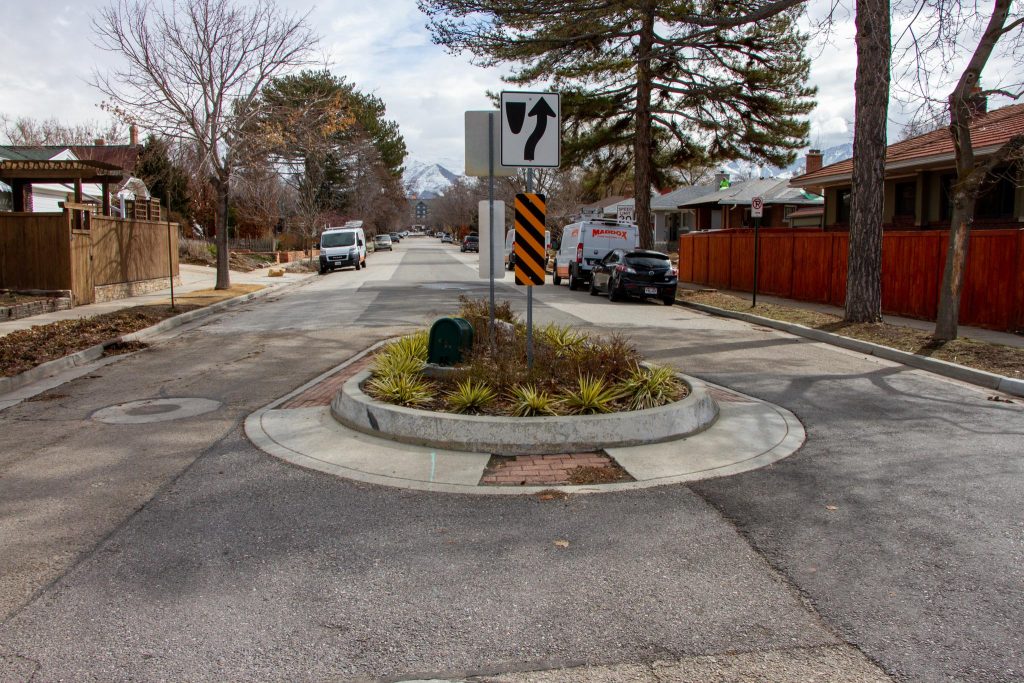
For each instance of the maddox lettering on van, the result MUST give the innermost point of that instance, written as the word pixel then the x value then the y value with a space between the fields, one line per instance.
pixel 343 247
pixel 585 243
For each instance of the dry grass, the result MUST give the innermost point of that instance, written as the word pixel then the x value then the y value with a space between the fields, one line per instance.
pixel 997 358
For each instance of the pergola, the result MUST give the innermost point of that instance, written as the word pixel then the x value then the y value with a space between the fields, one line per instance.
pixel 21 174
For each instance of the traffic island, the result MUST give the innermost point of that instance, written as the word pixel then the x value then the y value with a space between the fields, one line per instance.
pixel 358 411
pixel 301 429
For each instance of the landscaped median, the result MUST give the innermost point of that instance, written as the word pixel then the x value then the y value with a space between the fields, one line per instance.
pixel 996 366
pixel 42 350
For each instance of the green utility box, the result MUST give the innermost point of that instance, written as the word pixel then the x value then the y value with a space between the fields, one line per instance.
pixel 449 338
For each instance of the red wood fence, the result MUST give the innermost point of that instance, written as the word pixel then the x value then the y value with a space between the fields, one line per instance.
pixel 811 266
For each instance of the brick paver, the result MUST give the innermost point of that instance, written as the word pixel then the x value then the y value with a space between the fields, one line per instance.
pixel 541 470
pixel 323 393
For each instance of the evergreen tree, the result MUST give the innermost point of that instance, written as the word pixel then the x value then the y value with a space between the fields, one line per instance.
pixel 648 86
pixel 164 179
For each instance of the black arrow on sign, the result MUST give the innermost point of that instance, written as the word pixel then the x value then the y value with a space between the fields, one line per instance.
pixel 542 110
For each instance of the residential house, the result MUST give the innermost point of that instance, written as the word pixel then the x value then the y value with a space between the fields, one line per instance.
pixel 726 205
pixel 919 173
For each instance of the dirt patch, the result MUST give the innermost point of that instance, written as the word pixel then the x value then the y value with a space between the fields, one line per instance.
pixel 25 349
pixel 205 297
pixel 996 358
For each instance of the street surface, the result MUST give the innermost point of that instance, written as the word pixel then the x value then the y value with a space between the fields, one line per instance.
pixel 178 551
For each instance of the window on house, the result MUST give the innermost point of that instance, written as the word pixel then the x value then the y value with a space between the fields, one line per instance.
pixel 906 198
pixel 843 206
pixel 996 200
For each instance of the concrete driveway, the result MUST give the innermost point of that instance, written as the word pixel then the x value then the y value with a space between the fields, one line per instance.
pixel 176 551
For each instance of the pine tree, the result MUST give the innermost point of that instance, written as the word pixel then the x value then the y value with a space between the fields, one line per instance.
pixel 648 86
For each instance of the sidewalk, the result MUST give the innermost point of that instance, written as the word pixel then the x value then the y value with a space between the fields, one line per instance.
pixel 978 333
pixel 193 278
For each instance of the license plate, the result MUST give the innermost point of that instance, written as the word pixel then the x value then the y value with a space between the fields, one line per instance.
pixel 651 290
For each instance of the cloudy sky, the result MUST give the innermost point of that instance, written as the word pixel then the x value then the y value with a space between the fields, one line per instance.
pixel 382 46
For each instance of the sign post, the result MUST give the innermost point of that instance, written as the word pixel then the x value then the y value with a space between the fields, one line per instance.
pixel 529 140
pixel 481 134
pixel 756 212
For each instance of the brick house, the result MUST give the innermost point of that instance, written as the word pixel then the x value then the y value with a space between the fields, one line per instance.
pixel 919 173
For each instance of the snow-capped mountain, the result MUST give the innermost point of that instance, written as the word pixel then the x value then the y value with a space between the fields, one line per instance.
pixel 746 170
pixel 427 180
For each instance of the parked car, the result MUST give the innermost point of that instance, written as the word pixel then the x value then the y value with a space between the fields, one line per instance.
pixel 395 237
pixel 447 239
pixel 585 243
pixel 382 243
pixel 640 273
pixel 471 242
pixel 438 234
pixel 342 247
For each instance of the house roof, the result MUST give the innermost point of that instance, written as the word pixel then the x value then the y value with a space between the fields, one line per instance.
pixel 988 132
pixel 773 190
pixel 120 156
pixel 602 203
pixel 672 200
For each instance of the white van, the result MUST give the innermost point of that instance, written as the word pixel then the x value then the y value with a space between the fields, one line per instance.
pixel 510 241
pixel 586 243
pixel 343 247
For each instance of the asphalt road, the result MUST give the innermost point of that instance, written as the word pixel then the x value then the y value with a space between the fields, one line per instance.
pixel 177 551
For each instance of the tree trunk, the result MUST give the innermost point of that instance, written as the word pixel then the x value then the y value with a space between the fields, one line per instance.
pixel 223 272
pixel 969 178
pixel 642 143
pixel 871 89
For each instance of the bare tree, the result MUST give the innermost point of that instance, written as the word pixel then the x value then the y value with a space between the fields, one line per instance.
pixel 193 71
pixel 28 131
pixel 871 88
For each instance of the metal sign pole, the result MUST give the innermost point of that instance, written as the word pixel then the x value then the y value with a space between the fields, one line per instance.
pixel 529 292
pixel 490 218
pixel 757 254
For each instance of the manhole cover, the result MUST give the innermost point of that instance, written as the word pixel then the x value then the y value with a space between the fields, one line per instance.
pixel 155 410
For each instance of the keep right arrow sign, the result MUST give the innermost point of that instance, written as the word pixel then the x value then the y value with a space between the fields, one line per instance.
pixel 531 129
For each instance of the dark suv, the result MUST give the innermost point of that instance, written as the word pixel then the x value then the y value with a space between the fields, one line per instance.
pixel 639 273
pixel 471 242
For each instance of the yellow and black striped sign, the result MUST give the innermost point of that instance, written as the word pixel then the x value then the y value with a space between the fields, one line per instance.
pixel 529 241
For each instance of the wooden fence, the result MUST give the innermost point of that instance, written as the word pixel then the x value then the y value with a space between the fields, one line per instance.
pixel 811 266
pixel 47 251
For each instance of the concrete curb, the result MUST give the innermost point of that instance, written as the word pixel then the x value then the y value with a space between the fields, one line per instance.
pixel 523 435
pixel 8 384
pixel 981 378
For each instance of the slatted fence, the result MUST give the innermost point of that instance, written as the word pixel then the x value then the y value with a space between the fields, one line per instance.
pixel 811 266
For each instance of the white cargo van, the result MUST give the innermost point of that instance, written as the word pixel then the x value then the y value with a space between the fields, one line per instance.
pixel 343 247
pixel 586 243
pixel 510 246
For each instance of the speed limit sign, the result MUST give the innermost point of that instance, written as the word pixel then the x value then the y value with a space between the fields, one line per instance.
pixel 757 207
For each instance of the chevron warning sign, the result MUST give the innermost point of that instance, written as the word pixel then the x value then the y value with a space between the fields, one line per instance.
pixel 529 240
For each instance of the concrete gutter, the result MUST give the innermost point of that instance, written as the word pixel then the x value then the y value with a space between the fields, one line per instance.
pixel 93 353
pixel 981 378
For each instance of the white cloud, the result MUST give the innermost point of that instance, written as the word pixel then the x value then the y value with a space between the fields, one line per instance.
pixel 384 48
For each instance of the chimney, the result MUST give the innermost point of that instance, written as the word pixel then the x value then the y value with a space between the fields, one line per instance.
pixel 133 135
pixel 99 142
pixel 722 180
pixel 814 161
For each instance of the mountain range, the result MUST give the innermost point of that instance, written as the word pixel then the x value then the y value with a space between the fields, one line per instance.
pixel 427 180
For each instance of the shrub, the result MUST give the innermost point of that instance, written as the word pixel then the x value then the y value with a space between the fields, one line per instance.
pixel 401 389
pixel 651 387
pixel 592 395
pixel 527 401
pixel 470 396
